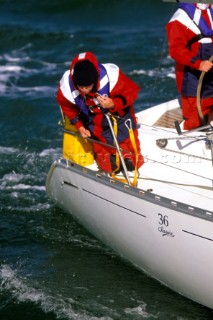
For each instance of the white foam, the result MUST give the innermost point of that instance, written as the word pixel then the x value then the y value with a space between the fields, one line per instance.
pixel 171 75
pixel 43 89
pixel 10 281
pixel 10 68
pixel 15 177
pixel 13 181
pixel 140 310
pixel 7 150
pixel 22 186
pixel 62 308
pixel 149 73
pixel 39 207
pixel 14 68
pixel 159 72
pixel 3 87
pixel 138 72
pixel 50 151
pixel 11 58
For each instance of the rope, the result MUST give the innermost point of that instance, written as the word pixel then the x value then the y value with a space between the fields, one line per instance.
pixel 199 87
pixel 132 139
pixel 176 168
pixel 187 154
pixel 117 158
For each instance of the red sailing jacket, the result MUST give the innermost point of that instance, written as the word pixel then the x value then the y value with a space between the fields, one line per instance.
pixel 190 41
pixel 122 90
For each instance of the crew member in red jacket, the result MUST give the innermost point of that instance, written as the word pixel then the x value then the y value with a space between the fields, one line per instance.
pixel 89 90
pixel 190 36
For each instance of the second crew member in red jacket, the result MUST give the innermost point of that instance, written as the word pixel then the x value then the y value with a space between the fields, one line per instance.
pixel 190 36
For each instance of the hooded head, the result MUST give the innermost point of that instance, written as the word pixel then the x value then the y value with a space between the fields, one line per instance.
pixel 84 73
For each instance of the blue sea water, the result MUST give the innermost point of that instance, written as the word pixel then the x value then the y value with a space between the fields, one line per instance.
pixel 50 267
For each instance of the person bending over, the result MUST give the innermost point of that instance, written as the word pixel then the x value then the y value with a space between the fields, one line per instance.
pixel 88 91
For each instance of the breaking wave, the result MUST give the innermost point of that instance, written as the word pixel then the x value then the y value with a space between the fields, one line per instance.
pixel 23 293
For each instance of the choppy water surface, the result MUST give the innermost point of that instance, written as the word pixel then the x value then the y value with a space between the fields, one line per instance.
pixel 50 267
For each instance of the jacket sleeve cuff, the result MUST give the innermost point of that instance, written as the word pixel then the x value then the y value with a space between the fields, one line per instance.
pixel 78 124
pixel 118 105
pixel 195 64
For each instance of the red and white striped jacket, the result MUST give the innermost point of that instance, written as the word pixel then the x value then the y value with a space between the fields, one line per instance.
pixel 190 35
pixel 113 82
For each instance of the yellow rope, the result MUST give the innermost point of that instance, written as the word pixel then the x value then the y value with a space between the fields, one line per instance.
pixel 132 139
pixel 117 159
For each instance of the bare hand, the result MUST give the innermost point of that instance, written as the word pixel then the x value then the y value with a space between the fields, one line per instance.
pixel 84 132
pixel 205 65
pixel 105 102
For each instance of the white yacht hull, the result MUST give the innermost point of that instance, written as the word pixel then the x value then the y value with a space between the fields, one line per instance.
pixel 169 239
